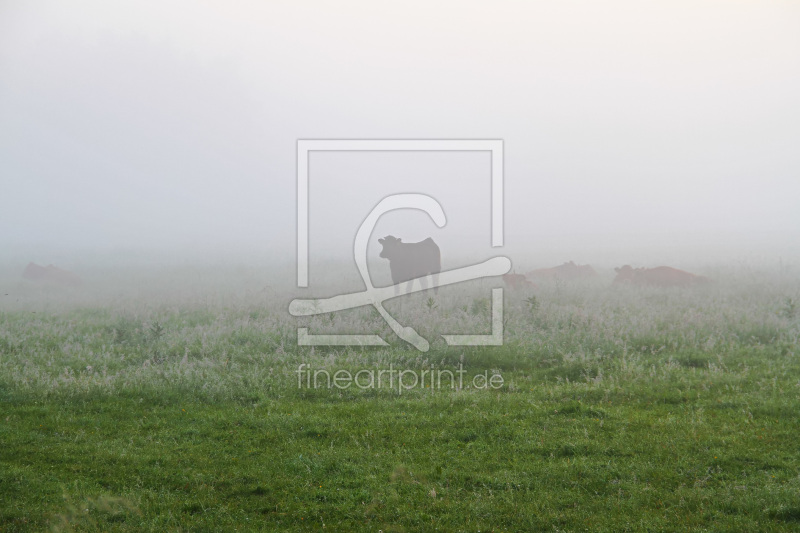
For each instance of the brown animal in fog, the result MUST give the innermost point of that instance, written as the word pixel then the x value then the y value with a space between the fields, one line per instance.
pixel 50 275
pixel 662 276
pixel 566 272
pixel 517 281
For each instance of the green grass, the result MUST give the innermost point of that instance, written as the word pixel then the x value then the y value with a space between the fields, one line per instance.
pixel 621 411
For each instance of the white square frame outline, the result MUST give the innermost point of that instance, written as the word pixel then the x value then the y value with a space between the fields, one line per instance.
pixel 305 146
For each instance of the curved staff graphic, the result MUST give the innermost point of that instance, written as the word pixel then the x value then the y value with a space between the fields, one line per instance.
pixel 375 296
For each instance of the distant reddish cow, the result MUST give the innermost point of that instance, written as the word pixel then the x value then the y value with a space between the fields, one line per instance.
pixel 662 276
pixel 517 281
pixel 566 272
pixel 50 274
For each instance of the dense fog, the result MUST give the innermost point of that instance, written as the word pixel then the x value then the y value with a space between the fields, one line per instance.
pixel 145 133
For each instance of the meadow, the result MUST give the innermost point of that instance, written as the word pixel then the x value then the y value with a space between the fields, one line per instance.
pixel 168 400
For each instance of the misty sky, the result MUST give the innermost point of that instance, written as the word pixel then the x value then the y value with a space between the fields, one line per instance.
pixel 628 126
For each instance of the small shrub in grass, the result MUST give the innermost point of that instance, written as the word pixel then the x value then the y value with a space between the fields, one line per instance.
pixel 789 309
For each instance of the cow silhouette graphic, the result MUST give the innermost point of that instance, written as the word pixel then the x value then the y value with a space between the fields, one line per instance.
pixel 411 260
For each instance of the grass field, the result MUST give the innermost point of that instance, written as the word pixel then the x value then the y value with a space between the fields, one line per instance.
pixel 177 408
